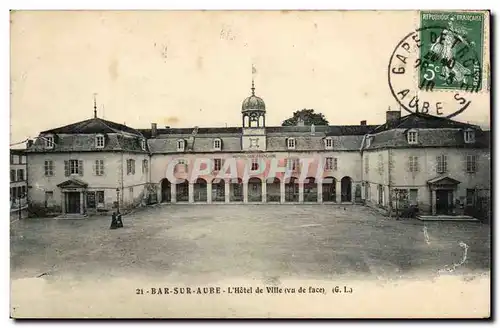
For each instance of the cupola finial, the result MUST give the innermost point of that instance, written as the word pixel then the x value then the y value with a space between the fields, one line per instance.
pixel 95 106
pixel 253 88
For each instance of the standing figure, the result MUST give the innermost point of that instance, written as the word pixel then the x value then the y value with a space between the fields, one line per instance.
pixel 119 222
pixel 113 221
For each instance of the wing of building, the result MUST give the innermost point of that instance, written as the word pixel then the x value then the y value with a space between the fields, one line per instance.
pixel 418 161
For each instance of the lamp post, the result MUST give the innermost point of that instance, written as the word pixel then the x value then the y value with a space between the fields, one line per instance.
pixel 117 200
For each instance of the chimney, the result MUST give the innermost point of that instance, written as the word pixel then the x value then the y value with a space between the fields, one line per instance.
pixel 313 129
pixel 154 130
pixel 363 122
pixel 392 116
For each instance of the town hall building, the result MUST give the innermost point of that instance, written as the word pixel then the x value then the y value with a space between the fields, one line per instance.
pixel 433 164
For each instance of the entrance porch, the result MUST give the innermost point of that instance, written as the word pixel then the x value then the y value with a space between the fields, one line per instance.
pixel 443 191
pixel 73 196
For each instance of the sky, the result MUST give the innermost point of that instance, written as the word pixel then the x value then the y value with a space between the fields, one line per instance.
pixel 194 68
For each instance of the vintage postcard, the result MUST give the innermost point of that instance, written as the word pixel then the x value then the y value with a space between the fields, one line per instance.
pixel 250 164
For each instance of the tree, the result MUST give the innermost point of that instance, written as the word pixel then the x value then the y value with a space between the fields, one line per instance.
pixel 308 116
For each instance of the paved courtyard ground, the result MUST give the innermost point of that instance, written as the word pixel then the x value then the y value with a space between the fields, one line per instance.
pixel 247 240
pixel 207 244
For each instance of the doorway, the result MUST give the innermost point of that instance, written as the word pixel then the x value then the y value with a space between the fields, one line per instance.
pixel 72 202
pixel 166 191
pixel 443 204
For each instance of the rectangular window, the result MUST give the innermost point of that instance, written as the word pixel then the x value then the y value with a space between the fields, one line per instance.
pixel 470 199
pixel 20 175
pixel 328 143
pixel 292 164
pixel 49 198
pixel 145 166
pixel 469 136
pixel 413 196
pixel 23 159
pixel 471 163
pixel 130 167
pixel 12 175
pixel 217 164
pixel 412 137
pixel 15 159
pixel 99 167
pixel 255 164
pixel 380 164
pixel 74 167
pixel 180 145
pixel 442 164
pixel 291 143
pixel 413 164
pixel 99 195
pixel 49 142
pixel 49 168
pixel 217 144
pixel 331 164
pixel 99 141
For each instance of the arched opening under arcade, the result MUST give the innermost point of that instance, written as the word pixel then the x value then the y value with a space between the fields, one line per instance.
pixel 200 190
pixel 329 191
pixel 310 190
pixel 254 190
pixel 166 187
pixel 273 190
pixel 292 190
pixel 346 189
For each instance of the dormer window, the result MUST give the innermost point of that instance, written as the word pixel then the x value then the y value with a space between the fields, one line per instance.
pixel 290 143
pixel 99 141
pixel 217 144
pixel 49 142
pixel 368 141
pixel 412 137
pixel 181 145
pixel 143 144
pixel 469 136
pixel 328 143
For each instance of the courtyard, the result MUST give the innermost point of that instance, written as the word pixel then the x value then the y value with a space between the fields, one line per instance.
pixel 266 244
pixel 246 240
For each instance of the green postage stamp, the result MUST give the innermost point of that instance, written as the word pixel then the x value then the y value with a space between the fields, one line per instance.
pixel 452 45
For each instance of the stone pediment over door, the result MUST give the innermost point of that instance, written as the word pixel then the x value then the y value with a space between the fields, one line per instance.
pixel 442 182
pixel 73 184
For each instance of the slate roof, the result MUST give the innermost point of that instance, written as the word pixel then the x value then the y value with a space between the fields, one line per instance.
pixel 397 138
pixel 433 132
pixel 422 121
pixel 93 125
pixel 86 142
pixel 230 143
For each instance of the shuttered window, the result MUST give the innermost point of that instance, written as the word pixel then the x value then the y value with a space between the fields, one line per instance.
pixel 73 167
pixel 442 164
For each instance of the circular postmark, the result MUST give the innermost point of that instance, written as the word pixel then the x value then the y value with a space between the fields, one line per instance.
pixel 434 70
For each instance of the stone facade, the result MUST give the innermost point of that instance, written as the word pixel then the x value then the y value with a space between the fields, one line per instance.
pixel 392 165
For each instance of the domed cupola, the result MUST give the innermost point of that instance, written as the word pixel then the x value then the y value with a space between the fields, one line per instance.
pixel 253 109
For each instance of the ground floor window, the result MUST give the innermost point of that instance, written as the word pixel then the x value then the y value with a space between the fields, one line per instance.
pixel 470 197
pixel 380 194
pixel 413 197
pixel 95 199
